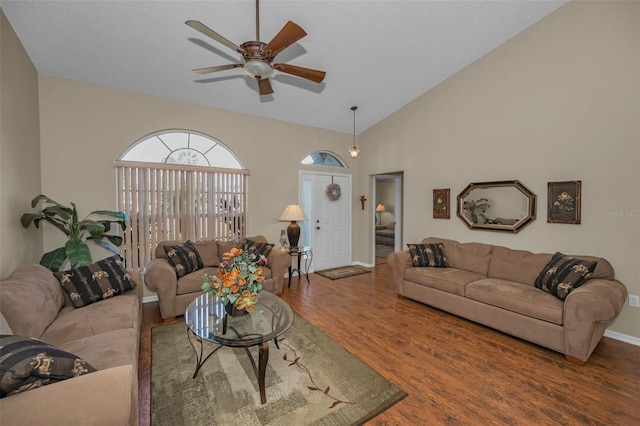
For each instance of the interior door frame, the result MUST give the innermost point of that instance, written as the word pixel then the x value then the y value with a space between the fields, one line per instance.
pixel 306 201
pixel 398 179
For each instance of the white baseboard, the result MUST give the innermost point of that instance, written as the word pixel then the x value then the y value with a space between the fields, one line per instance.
pixel 622 337
pixel 366 265
pixel 150 299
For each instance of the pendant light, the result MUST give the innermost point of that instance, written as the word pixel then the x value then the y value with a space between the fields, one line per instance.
pixel 354 151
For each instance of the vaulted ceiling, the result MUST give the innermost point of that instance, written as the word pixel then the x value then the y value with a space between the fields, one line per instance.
pixel 378 55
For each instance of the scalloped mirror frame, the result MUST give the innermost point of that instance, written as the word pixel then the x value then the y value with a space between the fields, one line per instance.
pixel 517 185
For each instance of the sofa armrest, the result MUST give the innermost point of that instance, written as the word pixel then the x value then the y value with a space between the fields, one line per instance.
pixel 399 262
pixel 588 310
pixel 106 397
pixel 279 262
pixel 161 278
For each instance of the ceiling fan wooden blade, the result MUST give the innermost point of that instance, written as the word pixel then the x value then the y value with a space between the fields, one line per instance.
pixel 208 70
pixel 197 25
pixel 309 74
pixel 289 34
pixel 264 86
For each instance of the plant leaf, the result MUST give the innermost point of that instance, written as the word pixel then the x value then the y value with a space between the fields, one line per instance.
pixel 335 403
pixel 78 252
pixel 107 245
pixel 54 259
pixel 29 218
pixel 96 229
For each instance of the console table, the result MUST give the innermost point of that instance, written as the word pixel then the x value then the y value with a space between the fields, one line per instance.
pixel 299 253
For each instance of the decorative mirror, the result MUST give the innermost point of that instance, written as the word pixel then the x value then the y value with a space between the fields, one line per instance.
pixel 499 206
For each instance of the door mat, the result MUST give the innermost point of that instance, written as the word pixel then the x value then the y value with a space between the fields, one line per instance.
pixel 343 272
pixel 311 379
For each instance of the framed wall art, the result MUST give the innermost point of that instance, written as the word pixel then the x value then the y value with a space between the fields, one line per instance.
pixel 441 204
pixel 563 202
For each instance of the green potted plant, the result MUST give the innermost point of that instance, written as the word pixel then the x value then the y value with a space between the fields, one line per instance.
pixel 93 229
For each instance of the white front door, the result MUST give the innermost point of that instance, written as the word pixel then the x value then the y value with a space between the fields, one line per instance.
pixel 330 221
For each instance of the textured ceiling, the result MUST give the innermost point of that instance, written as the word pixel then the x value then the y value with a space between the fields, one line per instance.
pixel 378 55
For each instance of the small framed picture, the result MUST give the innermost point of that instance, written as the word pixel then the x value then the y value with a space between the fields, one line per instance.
pixel 563 202
pixel 441 204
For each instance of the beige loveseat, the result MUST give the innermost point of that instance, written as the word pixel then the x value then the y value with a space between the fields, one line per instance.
pixel 175 293
pixel 494 286
pixel 105 334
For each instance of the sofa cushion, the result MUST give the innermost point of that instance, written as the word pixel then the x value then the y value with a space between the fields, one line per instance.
pixel 516 265
pixel 446 279
pixel 564 274
pixel 226 246
pixel 101 280
pixel 184 258
pixel 110 314
pixel 27 363
pixel 192 282
pixel 30 299
pixel 429 255
pixel 472 257
pixel 516 297
pixel 109 349
pixel 208 251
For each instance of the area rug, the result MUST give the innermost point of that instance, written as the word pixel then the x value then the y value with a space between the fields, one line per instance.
pixel 311 379
pixel 343 272
pixel 383 250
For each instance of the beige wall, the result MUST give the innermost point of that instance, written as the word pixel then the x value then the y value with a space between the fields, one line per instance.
pixel 19 151
pixel 560 101
pixel 86 127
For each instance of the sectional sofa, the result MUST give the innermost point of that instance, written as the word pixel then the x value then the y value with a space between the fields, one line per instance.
pixel 496 286
pixel 100 341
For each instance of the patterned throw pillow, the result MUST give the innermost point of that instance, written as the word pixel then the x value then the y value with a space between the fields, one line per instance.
pixel 258 248
pixel 564 274
pixel 184 258
pixel 101 280
pixel 27 363
pixel 427 255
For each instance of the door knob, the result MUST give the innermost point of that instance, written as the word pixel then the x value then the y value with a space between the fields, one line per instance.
pixel 317 227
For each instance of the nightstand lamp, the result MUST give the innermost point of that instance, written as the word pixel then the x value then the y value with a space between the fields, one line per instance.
pixel 293 213
pixel 379 210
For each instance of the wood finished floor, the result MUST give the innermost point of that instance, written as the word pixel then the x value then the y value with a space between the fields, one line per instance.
pixel 455 371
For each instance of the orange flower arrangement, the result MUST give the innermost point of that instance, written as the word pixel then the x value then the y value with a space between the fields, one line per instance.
pixel 239 279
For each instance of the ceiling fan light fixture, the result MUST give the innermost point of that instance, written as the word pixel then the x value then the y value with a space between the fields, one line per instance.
pixel 257 68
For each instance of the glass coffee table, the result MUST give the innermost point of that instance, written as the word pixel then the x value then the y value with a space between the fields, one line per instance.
pixel 207 320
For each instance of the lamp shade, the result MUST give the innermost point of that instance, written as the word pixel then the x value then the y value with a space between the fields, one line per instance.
pixel 380 208
pixel 292 213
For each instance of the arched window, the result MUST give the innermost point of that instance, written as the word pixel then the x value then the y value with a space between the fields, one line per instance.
pixel 323 158
pixel 180 147
pixel 179 185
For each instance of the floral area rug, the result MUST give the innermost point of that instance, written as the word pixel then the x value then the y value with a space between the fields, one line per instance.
pixel 311 379
pixel 343 272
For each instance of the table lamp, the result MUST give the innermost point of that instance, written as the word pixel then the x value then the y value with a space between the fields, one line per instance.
pixel 379 210
pixel 293 213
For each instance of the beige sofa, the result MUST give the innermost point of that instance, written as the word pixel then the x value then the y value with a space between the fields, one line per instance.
pixel 175 294
pixel 106 334
pixel 494 286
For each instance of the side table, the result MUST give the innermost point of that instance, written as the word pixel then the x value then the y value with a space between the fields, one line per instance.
pixel 299 253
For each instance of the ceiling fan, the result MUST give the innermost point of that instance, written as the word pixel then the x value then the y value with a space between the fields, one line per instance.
pixel 258 56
